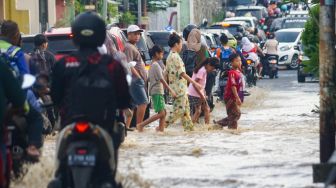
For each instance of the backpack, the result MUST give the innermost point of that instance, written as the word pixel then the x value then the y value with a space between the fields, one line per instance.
pixel 189 58
pixel 225 54
pixel 8 57
pixel 92 94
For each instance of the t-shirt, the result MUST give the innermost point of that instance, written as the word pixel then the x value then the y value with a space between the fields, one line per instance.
pixel 272 47
pixel 155 75
pixel 202 76
pixel 235 79
pixel 133 54
pixel 175 67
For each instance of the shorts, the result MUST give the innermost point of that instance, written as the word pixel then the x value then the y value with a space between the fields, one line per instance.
pixel 194 101
pixel 158 102
pixel 138 92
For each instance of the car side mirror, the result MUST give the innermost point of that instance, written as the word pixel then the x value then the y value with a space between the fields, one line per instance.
pixel 296 47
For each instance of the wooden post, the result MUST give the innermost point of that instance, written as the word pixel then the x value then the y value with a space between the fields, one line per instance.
pixel 327 79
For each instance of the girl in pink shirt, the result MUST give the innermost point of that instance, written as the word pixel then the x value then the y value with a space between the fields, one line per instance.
pixel 197 99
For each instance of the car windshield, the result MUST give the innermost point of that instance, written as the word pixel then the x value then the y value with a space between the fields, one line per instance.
pixel 233 29
pixel 249 13
pixel 239 2
pixel 61 44
pixel 294 23
pixel 286 37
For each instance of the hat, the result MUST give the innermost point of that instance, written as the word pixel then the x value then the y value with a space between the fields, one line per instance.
pixel 133 28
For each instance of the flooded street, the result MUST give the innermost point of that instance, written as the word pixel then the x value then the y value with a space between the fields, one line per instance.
pixel 277 141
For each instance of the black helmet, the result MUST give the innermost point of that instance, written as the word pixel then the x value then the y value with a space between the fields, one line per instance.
pixel 88 30
pixel 239 36
pixel 187 30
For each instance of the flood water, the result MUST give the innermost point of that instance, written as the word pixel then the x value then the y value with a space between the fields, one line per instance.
pixel 275 146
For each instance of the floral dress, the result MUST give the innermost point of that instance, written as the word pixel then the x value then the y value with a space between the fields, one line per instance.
pixel 181 110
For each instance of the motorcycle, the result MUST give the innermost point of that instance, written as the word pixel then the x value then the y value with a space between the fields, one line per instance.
pixel 223 79
pixel 87 156
pixel 251 73
pixel 273 66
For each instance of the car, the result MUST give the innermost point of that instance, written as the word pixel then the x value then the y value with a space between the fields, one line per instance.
pixel 120 36
pixel 210 41
pixel 260 12
pixel 276 24
pixel 298 14
pixel 233 4
pixel 301 72
pixel 288 49
pixel 294 22
pixel 59 42
pixel 161 38
pixel 251 22
pixel 217 32
pixel 231 27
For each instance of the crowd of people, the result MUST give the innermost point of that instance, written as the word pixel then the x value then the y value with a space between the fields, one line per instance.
pixel 189 75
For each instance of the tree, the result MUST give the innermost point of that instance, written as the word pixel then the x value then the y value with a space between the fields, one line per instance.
pixel 310 40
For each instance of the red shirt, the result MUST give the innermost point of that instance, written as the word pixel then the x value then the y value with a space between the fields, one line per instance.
pixel 235 79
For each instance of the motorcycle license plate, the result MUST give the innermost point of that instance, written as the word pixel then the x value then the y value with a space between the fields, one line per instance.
pixel 81 160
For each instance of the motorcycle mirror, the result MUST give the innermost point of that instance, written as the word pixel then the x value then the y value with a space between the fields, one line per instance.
pixel 28 81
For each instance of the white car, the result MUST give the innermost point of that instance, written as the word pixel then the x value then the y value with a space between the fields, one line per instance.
pixel 289 40
pixel 251 22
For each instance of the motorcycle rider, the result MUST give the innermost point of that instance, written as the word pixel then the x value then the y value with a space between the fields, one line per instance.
pixel 271 48
pixel 10 92
pixel 13 55
pixel 89 33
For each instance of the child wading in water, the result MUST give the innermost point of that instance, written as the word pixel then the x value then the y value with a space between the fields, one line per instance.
pixel 233 95
pixel 197 99
pixel 156 90
pixel 178 80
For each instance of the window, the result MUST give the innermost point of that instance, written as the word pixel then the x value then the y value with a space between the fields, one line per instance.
pixel 286 37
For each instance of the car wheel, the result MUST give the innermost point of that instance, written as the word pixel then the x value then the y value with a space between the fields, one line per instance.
pixel 295 62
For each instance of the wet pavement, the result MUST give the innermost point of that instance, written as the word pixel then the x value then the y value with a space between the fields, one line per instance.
pixel 277 141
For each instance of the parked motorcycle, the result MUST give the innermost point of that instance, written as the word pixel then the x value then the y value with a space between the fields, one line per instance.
pixel 87 156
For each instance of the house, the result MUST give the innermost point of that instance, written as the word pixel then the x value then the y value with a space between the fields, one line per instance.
pixel 32 16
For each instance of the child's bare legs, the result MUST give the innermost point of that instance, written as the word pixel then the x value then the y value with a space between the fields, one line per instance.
pixel 129 114
pixel 206 110
pixel 162 123
pixel 161 115
pixel 196 114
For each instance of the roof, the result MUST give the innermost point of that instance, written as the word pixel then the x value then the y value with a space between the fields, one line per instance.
pixel 228 24
pixel 240 18
pixel 58 31
pixel 291 30
pixel 250 8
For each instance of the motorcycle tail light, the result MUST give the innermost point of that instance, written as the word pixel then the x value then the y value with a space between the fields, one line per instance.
pixel 82 127
pixel 82 151
pixel 249 61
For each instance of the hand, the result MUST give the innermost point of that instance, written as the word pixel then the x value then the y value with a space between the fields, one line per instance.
pixel 238 101
pixel 203 98
pixel 173 94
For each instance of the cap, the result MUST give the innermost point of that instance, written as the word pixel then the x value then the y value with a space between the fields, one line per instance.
pixel 133 28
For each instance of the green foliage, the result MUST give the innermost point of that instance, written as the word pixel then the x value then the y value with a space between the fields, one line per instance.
pixel 79 7
pixel 218 17
pixel 310 40
pixel 127 18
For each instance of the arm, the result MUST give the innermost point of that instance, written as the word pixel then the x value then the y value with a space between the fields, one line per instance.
pixel 235 93
pixel 130 57
pixel 167 87
pixel 21 62
pixel 198 90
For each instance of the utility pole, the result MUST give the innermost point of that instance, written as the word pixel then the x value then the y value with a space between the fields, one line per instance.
pixel 105 9
pixel 139 12
pixel 327 79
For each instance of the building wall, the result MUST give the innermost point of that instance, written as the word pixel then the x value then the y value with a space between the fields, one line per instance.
pixel 2 10
pixel 194 11
pixel 19 16
pixel 60 8
pixel 160 19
